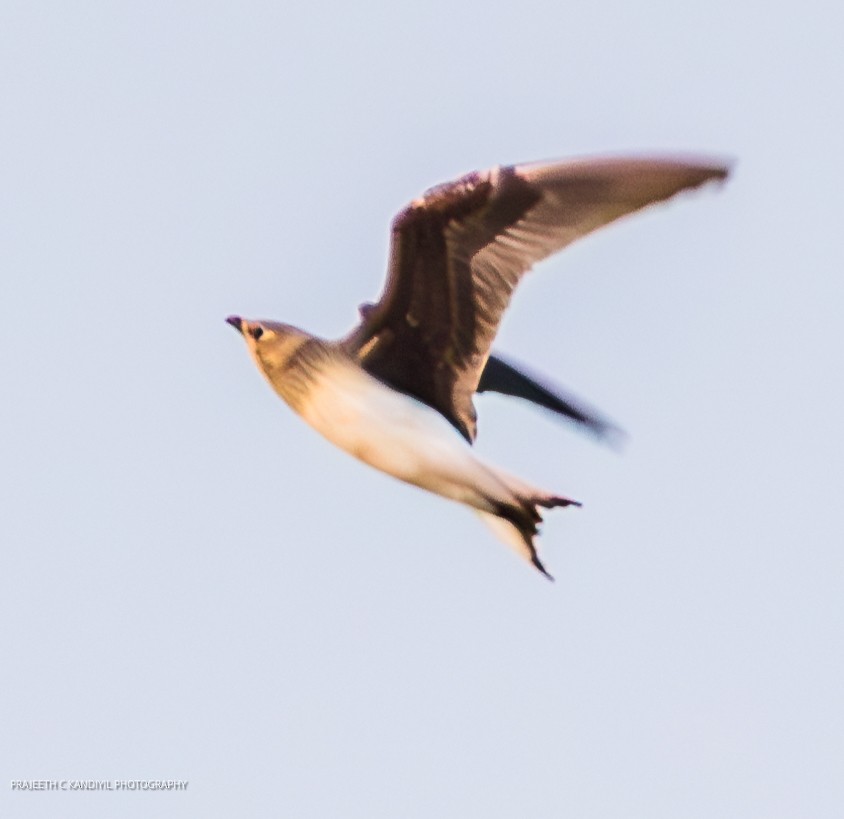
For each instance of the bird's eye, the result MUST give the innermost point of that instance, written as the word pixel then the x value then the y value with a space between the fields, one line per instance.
pixel 257 332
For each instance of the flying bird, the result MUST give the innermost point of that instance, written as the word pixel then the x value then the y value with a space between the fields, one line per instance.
pixel 397 391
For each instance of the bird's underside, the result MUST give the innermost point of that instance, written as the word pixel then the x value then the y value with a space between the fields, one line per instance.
pixel 388 392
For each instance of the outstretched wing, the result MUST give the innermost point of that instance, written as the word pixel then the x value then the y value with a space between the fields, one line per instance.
pixel 458 253
pixel 500 376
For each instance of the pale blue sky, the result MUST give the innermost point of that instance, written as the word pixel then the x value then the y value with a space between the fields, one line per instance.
pixel 195 586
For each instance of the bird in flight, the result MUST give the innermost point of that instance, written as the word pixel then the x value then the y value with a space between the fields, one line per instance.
pixel 397 391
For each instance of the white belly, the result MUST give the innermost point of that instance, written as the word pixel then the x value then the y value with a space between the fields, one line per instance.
pixel 398 435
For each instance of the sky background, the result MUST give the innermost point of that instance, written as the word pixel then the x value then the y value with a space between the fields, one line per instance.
pixel 195 586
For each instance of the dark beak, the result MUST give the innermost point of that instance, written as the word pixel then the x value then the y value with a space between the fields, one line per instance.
pixel 236 322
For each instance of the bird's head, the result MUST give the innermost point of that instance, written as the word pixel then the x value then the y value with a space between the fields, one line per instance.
pixel 270 343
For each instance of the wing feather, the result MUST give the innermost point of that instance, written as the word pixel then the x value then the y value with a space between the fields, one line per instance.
pixel 459 252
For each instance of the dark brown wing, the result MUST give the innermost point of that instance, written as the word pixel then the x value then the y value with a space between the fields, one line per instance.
pixel 458 253
pixel 502 377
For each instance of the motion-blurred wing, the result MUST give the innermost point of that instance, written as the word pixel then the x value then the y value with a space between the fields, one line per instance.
pixel 499 376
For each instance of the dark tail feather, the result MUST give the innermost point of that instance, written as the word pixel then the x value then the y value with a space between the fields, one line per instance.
pixel 556 500
pixel 524 520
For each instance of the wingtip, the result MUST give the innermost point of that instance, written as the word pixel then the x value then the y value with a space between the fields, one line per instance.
pixel 721 169
pixel 711 170
pixel 608 434
pixel 616 437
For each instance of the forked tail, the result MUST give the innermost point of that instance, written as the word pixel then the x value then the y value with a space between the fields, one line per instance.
pixel 517 523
